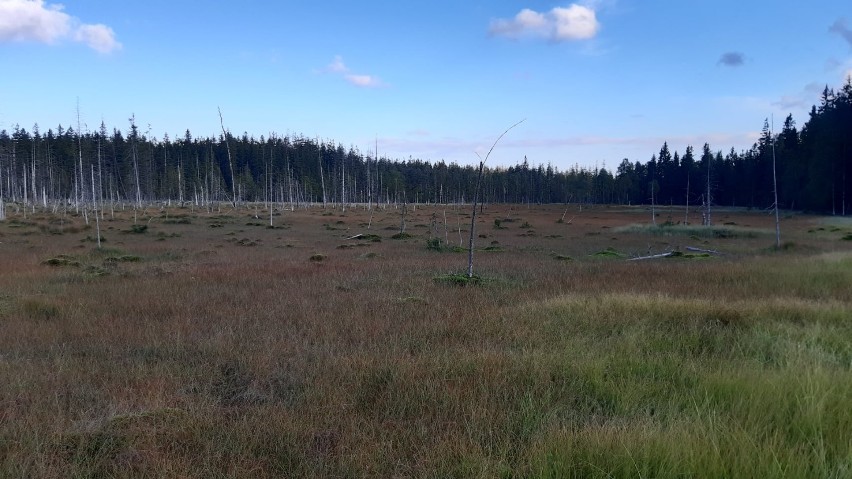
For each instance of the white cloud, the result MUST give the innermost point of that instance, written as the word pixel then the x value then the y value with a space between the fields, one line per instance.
pixel 30 20
pixel 366 81
pixel 575 22
pixel 35 21
pixel 98 37
pixel 337 67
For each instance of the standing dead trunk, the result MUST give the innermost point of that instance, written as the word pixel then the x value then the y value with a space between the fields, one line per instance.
pixel 95 209
pixel 322 176
pixel 775 191
pixel 446 232
pixel 707 198
pixel 653 206
pixel 230 162
pixel 473 221
pixel 476 198
pixel 402 217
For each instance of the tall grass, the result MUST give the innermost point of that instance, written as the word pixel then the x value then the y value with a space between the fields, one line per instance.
pixel 206 358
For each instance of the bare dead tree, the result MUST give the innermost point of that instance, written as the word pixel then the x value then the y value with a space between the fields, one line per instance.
pixel 775 191
pixel 402 212
pixel 134 151
pixel 476 198
pixel 230 162
pixel 322 176
pixel 707 198
pixel 80 156
pixel 95 208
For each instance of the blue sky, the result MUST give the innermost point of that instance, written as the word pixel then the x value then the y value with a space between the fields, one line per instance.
pixel 596 80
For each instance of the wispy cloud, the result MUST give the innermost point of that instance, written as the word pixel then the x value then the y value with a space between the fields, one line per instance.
pixel 732 59
pixel 835 66
pixel 791 102
pixel 801 100
pixel 646 143
pixel 575 22
pixel 462 150
pixel 338 67
pixel 841 28
pixel 36 21
pixel 366 81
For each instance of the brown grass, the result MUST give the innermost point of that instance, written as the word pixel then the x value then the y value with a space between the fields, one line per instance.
pixel 234 351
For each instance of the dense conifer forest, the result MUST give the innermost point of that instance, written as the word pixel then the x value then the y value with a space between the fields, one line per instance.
pixel 65 166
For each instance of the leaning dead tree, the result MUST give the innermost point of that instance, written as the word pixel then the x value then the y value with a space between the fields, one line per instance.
pixel 230 163
pixel 476 198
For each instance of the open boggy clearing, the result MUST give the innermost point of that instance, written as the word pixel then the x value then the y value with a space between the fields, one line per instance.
pixel 199 343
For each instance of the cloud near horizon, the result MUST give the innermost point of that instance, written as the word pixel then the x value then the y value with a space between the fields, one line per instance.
pixel 337 67
pixel 575 22
pixel 35 21
pixel 443 147
pixel 732 59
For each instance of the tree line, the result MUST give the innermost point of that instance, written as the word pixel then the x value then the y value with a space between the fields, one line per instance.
pixel 813 166
pixel 72 167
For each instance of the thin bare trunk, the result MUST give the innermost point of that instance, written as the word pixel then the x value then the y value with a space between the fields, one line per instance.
pixel 322 176
pixel 775 191
pixel 476 198
pixel 230 162
pixel 95 208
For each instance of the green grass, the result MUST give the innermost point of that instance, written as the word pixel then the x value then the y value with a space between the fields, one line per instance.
pixel 199 357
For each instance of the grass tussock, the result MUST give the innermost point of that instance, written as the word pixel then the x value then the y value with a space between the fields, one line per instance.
pixel 459 279
pixel 608 253
pixel 62 260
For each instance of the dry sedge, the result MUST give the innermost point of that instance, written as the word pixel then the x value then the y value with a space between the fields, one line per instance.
pixel 186 350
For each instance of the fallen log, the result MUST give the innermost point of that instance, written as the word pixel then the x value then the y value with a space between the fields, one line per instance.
pixel 653 256
pixel 701 250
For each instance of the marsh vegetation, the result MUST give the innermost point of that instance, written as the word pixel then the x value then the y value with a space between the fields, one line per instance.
pixel 211 345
